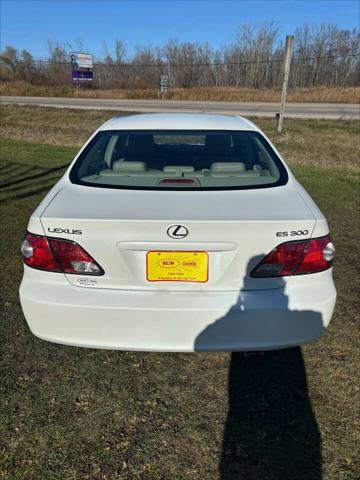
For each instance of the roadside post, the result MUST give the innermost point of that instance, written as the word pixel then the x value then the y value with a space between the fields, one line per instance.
pixel 287 61
pixel 164 83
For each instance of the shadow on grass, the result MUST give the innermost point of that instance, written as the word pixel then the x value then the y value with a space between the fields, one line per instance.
pixel 271 431
pixel 5 167
pixel 30 193
pixel 23 186
pixel 15 171
pixel 34 176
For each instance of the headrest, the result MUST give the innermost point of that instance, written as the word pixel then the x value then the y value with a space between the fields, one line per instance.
pixel 140 144
pixel 218 143
pixel 129 167
pixel 178 169
pixel 227 168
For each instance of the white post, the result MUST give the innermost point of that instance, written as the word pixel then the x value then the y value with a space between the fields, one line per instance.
pixel 287 61
pixel 169 73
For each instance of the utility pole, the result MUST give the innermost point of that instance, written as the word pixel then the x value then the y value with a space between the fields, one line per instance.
pixel 169 72
pixel 287 60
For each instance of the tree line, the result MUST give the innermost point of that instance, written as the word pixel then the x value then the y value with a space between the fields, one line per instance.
pixel 322 55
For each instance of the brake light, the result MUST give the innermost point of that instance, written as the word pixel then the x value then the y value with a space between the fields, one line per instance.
pixel 177 180
pixel 297 258
pixel 319 255
pixel 58 255
pixel 37 254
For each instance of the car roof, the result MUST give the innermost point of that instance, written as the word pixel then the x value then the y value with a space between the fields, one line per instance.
pixel 178 121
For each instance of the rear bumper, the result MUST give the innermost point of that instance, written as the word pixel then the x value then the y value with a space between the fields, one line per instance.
pixel 177 321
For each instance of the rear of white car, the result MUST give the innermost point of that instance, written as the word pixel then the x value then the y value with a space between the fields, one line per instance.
pixel 178 233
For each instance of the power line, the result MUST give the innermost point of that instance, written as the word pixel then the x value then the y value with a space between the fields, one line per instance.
pixel 320 57
pixel 200 64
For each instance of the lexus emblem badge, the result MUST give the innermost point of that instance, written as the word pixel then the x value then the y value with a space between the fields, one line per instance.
pixel 177 231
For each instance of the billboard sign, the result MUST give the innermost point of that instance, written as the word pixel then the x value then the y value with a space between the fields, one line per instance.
pixel 81 61
pixel 82 68
pixel 82 77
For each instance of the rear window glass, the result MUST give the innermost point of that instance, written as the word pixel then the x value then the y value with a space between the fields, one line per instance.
pixel 209 160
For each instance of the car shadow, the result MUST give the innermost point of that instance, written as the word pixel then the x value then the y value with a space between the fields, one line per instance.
pixel 270 431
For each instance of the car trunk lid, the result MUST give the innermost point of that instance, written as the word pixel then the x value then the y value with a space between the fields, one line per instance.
pixel 235 228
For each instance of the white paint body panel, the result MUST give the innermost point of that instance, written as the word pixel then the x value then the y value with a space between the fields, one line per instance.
pixel 177 321
pixel 232 311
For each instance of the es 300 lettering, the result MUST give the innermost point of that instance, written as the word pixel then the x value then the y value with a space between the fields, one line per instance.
pixel 292 233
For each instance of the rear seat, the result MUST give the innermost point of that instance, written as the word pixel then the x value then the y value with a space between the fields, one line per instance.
pixel 139 156
pixel 129 167
pixel 217 149
pixel 232 169
pixel 141 148
pixel 178 170
pixel 120 167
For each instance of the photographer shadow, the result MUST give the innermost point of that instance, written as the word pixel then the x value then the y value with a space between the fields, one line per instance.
pixel 270 432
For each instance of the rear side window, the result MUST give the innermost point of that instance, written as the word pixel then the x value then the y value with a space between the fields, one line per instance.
pixel 211 160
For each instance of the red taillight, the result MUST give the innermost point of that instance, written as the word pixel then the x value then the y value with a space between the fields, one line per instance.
pixel 37 254
pixel 319 255
pixel 296 258
pixel 58 255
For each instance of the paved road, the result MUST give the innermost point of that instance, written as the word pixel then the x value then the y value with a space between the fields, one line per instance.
pixel 262 109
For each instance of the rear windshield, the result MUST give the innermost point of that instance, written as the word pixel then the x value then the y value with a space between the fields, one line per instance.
pixel 208 160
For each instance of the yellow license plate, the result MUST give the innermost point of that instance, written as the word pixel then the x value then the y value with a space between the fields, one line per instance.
pixel 177 266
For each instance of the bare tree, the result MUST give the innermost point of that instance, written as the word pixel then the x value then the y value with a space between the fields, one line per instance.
pixel 323 55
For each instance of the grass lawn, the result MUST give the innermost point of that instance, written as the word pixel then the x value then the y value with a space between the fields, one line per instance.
pixel 72 413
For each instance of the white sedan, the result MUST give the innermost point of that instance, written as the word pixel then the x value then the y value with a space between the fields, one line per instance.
pixel 178 232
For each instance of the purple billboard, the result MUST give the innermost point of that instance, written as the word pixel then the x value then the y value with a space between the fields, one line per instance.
pixel 82 77
pixel 82 68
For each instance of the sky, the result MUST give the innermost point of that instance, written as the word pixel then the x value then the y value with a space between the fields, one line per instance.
pixel 93 24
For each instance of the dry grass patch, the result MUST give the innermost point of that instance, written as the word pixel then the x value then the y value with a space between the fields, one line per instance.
pixel 50 125
pixel 305 142
pixel 228 94
pixel 325 143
